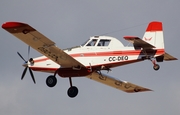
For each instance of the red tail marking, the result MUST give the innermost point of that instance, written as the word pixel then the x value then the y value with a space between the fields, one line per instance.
pixel 154 26
pixel 147 39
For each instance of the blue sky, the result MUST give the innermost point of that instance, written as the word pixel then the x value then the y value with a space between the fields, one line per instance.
pixel 71 23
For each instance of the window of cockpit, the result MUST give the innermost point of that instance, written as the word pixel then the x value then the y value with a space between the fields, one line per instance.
pixel 84 43
pixel 104 42
pixel 92 42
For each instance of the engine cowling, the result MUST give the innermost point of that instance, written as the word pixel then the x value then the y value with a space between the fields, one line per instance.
pixel 70 72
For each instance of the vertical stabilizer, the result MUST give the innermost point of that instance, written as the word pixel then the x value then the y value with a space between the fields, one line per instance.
pixel 154 35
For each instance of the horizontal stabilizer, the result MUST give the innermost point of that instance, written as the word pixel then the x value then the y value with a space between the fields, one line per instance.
pixel 168 57
pixel 138 43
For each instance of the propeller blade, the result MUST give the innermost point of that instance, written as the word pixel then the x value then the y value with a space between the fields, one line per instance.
pixel 32 76
pixel 24 72
pixel 26 66
pixel 21 56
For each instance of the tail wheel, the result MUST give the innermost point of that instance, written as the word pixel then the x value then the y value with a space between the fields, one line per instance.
pixel 156 67
pixel 72 91
pixel 51 81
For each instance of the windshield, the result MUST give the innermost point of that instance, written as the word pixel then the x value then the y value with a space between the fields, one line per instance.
pixel 84 42
pixel 92 42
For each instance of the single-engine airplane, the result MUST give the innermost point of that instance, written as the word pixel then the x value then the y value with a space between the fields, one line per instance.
pixel 89 59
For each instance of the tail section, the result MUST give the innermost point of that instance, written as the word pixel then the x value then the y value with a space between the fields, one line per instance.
pixel 154 35
pixel 153 39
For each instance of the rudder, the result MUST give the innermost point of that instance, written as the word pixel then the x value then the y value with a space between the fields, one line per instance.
pixel 154 35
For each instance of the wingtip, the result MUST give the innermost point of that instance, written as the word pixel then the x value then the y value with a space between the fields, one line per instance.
pixel 142 90
pixel 149 90
pixel 137 90
pixel 12 25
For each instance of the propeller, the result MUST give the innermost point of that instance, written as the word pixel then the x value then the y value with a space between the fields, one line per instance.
pixel 26 63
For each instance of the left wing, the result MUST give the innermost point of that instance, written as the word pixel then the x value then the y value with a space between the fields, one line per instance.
pixel 138 43
pixel 113 82
pixel 40 43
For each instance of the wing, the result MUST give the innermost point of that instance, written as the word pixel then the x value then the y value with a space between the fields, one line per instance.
pixel 113 82
pixel 168 57
pixel 138 43
pixel 40 43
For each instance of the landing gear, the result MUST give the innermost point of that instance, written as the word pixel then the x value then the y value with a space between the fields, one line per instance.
pixel 51 81
pixel 155 66
pixel 72 91
pixel 152 58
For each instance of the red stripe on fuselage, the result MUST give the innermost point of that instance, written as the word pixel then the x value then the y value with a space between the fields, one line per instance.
pixel 111 65
pixel 114 53
pixel 44 69
pixel 41 60
pixel 110 53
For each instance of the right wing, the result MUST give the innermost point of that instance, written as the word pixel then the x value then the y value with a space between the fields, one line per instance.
pixel 39 42
pixel 113 82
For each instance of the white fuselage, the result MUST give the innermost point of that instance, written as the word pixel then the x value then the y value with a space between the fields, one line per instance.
pixel 96 52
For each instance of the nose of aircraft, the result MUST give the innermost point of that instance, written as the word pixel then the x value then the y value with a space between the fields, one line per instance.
pixel 25 64
pixel 30 62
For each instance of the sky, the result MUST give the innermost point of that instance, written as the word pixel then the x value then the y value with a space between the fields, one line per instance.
pixel 71 23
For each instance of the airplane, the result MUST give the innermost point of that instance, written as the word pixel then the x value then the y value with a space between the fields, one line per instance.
pixel 90 58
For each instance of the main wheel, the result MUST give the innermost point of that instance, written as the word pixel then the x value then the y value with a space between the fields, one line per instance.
pixel 72 91
pixel 51 81
pixel 156 67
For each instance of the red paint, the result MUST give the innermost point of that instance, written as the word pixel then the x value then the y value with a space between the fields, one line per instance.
pixel 154 26
pixel 130 37
pixel 41 60
pixel 12 25
pixel 147 39
pixel 43 69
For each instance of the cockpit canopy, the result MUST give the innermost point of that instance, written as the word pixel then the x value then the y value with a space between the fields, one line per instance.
pixel 95 42
pixel 103 41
